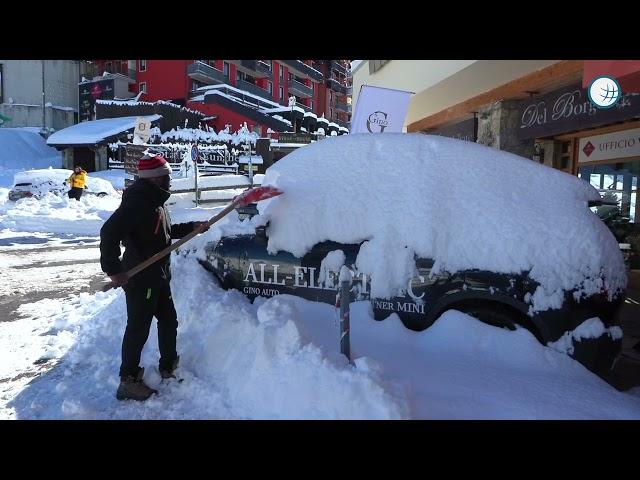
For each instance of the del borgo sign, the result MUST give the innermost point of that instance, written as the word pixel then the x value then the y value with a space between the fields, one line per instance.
pixel 610 146
pixel 568 110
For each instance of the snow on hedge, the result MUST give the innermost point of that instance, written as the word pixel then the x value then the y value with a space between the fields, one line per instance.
pixel 465 205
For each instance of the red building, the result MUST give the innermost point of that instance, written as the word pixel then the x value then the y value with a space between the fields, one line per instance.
pixel 321 88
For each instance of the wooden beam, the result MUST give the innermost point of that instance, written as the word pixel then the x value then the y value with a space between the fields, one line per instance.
pixel 554 76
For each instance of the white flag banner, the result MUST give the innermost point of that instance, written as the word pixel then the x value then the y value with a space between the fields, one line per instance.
pixel 380 110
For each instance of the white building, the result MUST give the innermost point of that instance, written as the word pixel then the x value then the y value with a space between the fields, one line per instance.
pixel 22 84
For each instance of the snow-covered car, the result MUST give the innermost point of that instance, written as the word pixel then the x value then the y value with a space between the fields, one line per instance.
pixel 37 183
pixel 427 224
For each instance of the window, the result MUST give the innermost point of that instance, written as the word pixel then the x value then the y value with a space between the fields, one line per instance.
pixel 107 67
pixel 331 113
pixel 270 88
pixel 616 182
pixel 143 87
pixel 143 65
pixel 281 93
pixel 225 69
pixel 281 72
pixel 311 104
pixel 290 76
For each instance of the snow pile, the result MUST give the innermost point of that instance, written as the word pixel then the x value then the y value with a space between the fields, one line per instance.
pixel 278 358
pixel 463 204
pixel 591 328
pixel 115 177
pixel 58 214
pixel 333 262
pixel 54 180
pixel 21 149
pixel 238 360
pixel 461 368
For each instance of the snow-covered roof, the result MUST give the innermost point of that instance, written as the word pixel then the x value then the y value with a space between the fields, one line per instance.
pixel 96 131
pixel 282 119
pixel 281 109
pixel 218 89
pixel 310 114
pixel 159 102
pixel 332 124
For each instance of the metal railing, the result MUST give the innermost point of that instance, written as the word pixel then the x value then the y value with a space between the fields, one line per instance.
pixel 303 70
pixel 206 73
pixel 300 88
pixel 251 88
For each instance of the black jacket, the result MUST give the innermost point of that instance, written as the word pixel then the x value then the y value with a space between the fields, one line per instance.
pixel 143 225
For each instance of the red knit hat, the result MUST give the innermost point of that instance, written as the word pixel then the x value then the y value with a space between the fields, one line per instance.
pixel 151 166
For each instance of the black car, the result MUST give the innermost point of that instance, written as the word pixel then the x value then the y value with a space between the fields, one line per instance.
pixel 242 262
pixel 350 200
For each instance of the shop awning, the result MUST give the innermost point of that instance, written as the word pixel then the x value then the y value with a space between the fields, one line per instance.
pixel 96 132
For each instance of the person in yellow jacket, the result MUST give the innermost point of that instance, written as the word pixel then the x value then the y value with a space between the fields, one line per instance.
pixel 78 181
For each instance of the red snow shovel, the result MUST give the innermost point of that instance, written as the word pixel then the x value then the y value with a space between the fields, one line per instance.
pixel 249 196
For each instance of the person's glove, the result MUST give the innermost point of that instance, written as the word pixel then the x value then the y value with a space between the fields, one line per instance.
pixel 203 226
pixel 119 279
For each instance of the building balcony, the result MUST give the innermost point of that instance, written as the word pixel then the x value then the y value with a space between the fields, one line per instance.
pixel 343 107
pixel 336 86
pixel 300 89
pixel 204 73
pixel 255 68
pixel 338 67
pixel 301 69
pixel 251 88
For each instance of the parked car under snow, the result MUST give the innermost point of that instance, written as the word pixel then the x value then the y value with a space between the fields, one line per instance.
pixel 37 183
pixel 427 224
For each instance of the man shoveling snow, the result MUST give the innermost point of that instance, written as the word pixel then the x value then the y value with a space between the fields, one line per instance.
pixel 143 224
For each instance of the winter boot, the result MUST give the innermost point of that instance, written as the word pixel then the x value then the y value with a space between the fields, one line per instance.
pixel 134 388
pixel 165 374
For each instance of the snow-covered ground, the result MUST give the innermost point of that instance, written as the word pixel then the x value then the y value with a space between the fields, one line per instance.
pixel 276 358
pixel 279 358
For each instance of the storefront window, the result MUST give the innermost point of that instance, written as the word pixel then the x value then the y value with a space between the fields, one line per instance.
pixel 617 181
pixel 618 186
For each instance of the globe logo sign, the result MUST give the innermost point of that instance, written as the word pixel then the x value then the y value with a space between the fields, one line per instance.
pixel 604 92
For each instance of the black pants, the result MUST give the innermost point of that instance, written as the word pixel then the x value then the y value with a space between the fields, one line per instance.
pixel 142 305
pixel 76 193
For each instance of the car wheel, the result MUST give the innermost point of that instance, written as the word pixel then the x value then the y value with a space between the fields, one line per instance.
pixel 491 315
